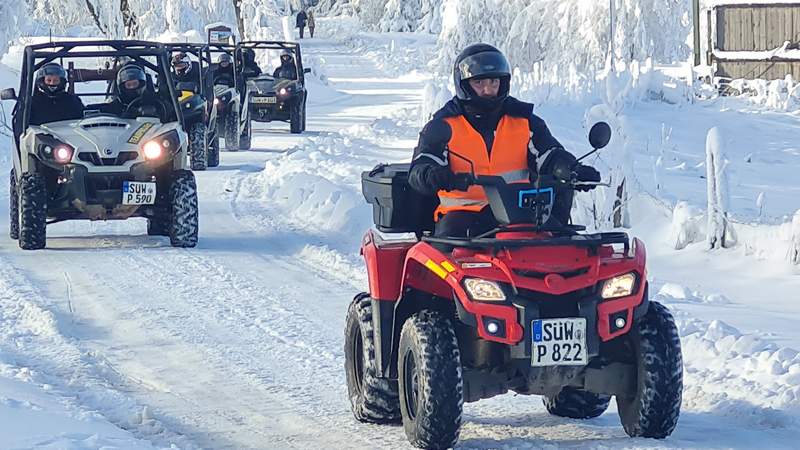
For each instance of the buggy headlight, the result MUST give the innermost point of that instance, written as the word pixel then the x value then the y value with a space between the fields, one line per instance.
pixel 619 286
pixel 152 150
pixel 484 290
pixel 168 142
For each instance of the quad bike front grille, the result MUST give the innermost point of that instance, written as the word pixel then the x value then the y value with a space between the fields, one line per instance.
pixel 541 275
pixel 95 159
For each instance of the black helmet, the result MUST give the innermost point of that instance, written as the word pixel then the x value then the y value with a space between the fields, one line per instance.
pixel 51 68
pixel 224 58
pixel 126 88
pixel 480 61
pixel 181 63
pixel 249 55
pixel 286 56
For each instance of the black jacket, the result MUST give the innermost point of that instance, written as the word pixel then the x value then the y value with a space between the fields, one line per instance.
pixel 192 76
pixel 302 18
pixel 287 71
pixel 63 106
pixel 223 75
pixel 431 152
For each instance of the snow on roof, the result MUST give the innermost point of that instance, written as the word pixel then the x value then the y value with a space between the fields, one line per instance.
pixel 781 52
pixel 714 3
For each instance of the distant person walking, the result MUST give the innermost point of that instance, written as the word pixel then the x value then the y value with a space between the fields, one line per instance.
pixel 302 18
pixel 311 24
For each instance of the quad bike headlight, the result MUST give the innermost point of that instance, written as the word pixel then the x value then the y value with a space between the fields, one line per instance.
pixel 484 290
pixel 50 148
pixel 619 286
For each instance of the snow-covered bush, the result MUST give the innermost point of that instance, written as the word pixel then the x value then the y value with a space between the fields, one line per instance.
pixel 720 233
pixel 686 227
pixel 401 15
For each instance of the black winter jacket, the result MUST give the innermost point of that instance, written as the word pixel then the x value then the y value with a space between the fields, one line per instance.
pixel 63 106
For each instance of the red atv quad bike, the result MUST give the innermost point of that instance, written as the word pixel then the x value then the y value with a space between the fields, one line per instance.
pixel 532 306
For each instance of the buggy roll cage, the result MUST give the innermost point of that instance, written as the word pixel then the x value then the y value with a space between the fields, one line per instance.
pixel 50 51
pixel 293 47
pixel 230 49
pixel 198 50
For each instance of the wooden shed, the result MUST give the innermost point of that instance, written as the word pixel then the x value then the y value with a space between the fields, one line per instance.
pixel 754 39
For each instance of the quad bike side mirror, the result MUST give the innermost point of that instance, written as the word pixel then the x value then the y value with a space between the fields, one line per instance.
pixel 599 135
pixel 306 70
pixel 8 94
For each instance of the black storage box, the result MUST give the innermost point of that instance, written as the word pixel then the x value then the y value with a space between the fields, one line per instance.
pixel 396 207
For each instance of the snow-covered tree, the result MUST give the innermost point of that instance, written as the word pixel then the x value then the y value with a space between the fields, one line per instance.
pixel 794 245
pixel 401 15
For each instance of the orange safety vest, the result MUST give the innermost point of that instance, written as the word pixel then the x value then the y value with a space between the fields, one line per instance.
pixel 509 159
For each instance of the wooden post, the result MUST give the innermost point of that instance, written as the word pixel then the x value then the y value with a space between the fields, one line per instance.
pixel 696 30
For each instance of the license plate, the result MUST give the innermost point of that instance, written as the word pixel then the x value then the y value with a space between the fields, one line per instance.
pixel 558 342
pixel 264 100
pixel 138 193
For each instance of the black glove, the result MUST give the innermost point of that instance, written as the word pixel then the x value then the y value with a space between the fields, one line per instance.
pixel 461 181
pixel 586 174
pixel 440 178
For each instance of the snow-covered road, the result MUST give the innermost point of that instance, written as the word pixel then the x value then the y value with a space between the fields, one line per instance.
pixel 238 343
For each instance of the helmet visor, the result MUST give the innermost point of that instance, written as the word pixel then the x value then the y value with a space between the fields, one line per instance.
pixel 53 69
pixel 483 65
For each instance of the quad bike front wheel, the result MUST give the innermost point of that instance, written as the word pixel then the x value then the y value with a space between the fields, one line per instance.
pixel 576 403
pixel 197 146
pixel 183 225
pixel 430 381
pixel 32 206
pixel 653 408
pixel 372 399
pixel 13 207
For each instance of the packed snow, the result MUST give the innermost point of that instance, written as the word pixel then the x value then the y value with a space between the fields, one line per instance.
pixel 112 339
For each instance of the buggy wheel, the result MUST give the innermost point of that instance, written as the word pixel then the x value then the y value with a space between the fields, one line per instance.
pixel 296 119
pixel 13 207
pixel 576 404
pixel 247 135
pixel 183 221
pixel 231 125
pixel 158 226
pixel 429 375
pixel 653 408
pixel 372 399
pixel 197 146
pixel 32 211
pixel 213 152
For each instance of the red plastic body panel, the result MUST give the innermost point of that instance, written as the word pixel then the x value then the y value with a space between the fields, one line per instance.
pixel 553 270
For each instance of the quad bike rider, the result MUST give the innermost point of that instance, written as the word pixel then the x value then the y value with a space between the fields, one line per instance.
pixel 198 111
pixel 506 294
pixel 51 102
pixel 123 158
pixel 226 99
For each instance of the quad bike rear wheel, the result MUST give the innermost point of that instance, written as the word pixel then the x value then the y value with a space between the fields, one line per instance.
pixel 183 224
pixel 430 381
pixel 13 207
pixel 653 408
pixel 32 211
pixel 197 146
pixel 372 399
pixel 576 404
